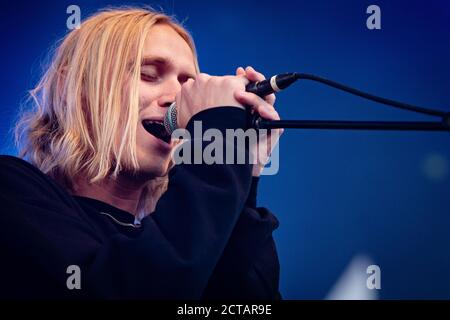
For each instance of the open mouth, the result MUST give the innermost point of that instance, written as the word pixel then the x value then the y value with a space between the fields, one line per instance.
pixel 157 129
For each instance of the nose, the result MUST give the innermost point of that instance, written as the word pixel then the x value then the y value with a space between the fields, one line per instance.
pixel 166 100
pixel 171 89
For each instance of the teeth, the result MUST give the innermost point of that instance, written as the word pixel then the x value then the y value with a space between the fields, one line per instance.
pixel 154 121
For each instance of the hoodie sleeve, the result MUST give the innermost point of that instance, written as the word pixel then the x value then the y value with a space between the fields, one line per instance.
pixel 249 267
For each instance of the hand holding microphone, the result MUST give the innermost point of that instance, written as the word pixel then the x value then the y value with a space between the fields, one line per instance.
pixel 203 95
pixel 248 88
pixel 259 95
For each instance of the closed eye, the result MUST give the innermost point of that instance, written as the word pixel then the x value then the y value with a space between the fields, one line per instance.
pixel 150 73
pixel 149 77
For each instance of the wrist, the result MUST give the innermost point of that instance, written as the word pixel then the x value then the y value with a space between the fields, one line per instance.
pixel 256 170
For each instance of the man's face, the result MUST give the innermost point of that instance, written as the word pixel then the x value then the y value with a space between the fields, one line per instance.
pixel 168 63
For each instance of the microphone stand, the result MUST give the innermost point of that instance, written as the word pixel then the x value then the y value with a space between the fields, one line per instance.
pixel 260 123
pixel 282 81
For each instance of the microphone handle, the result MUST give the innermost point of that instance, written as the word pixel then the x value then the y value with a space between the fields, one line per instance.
pixel 265 87
pixel 261 89
pixel 272 85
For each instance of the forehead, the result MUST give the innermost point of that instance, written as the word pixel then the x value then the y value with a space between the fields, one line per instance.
pixel 164 43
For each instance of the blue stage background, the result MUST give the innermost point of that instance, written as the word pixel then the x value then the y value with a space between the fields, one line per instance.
pixel 339 194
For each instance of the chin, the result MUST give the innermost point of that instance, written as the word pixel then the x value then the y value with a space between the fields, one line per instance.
pixel 154 168
pixel 154 156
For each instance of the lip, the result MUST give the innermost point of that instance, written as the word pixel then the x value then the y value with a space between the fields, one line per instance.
pixel 153 119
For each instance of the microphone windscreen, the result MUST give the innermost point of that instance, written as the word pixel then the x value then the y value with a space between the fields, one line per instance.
pixel 170 119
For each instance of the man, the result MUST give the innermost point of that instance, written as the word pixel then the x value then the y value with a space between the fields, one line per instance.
pixel 99 195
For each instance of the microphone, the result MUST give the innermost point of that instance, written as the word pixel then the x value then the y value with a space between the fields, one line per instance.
pixel 260 88
pixel 272 85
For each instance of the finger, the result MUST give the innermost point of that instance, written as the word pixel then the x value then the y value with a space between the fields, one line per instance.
pixel 240 71
pixel 270 99
pixel 253 100
pixel 254 75
pixel 242 78
pixel 263 108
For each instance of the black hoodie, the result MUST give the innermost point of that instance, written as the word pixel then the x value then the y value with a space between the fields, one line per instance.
pixel 206 238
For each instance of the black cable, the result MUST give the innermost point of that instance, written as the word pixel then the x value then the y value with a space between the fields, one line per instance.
pixel 352 125
pixel 369 96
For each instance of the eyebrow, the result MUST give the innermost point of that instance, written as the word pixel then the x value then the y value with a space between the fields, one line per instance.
pixel 156 60
pixel 163 62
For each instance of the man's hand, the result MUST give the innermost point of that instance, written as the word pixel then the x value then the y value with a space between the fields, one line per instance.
pixel 265 108
pixel 207 92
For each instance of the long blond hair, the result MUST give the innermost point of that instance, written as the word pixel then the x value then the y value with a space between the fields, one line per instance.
pixel 82 105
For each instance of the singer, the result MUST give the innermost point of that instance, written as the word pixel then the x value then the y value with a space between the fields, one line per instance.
pixel 93 206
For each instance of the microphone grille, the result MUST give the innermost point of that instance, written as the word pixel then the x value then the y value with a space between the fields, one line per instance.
pixel 170 119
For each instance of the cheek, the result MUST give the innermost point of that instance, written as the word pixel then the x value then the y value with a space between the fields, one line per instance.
pixel 147 94
pixel 142 139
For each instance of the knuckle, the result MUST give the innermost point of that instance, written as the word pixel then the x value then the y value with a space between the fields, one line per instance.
pixel 228 79
pixel 233 82
pixel 215 80
pixel 202 77
pixel 186 85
